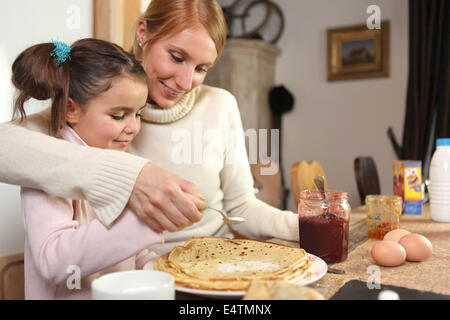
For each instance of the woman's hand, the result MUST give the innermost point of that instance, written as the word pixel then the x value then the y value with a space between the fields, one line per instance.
pixel 164 201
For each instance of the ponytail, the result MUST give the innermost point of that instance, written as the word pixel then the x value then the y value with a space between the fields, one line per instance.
pixel 36 75
pixel 87 69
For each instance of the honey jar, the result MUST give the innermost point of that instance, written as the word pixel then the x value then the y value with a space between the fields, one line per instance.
pixel 382 214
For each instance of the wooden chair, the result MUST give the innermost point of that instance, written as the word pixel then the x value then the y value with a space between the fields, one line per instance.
pixel 269 186
pixel 12 284
pixel 302 177
pixel 366 177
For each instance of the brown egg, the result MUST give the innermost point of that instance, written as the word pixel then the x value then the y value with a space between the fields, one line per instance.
pixel 395 235
pixel 388 253
pixel 417 247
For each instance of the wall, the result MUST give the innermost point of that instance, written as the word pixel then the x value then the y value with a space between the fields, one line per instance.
pixel 28 22
pixel 334 122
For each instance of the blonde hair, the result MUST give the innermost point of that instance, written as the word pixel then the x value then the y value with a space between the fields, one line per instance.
pixel 168 17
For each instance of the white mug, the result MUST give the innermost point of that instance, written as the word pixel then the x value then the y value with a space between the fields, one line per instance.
pixel 134 285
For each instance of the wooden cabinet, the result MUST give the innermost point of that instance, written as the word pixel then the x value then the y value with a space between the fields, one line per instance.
pixel 116 21
pixel 247 69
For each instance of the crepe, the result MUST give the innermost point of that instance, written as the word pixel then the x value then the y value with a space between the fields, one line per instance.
pixel 231 264
pixel 280 290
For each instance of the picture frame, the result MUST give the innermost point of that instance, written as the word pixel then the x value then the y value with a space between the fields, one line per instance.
pixel 357 52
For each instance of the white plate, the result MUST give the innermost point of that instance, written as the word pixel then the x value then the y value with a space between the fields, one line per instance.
pixel 212 294
pixel 319 267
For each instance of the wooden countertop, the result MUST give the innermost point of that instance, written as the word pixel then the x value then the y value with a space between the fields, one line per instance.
pixel 429 275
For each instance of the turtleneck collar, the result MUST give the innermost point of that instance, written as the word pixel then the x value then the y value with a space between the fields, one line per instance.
pixel 156 115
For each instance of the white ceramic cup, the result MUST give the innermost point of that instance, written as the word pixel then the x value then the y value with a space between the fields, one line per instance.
pixel 134 285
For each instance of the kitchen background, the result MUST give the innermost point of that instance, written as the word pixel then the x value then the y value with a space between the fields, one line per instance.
pixel 332 122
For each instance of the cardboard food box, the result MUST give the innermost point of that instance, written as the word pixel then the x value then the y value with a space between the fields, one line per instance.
pixel 408 185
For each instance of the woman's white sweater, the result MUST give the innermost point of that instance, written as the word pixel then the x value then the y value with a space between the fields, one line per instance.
pixel 200 139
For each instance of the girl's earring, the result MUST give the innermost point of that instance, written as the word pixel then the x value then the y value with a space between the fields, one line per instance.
pixel 140 44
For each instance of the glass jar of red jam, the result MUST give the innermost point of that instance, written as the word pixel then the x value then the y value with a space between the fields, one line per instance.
pixel 323 224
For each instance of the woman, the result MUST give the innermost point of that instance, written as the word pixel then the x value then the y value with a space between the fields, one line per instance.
pixel 96 99
pixel 189 129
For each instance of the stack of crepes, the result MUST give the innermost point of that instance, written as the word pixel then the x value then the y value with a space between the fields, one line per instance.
pixel 232 264
pixel 280 290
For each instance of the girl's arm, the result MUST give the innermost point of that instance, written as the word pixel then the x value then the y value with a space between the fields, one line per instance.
pixel 57 241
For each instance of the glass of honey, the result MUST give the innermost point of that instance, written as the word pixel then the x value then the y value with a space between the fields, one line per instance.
pixel 324 223
pixel 382 214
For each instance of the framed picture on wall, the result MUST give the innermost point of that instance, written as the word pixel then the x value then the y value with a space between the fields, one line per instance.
pixel 356 52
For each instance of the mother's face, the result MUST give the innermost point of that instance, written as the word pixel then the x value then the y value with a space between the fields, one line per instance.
pixel 177 64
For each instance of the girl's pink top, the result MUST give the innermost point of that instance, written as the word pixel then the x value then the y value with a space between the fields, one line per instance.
pixel 66 247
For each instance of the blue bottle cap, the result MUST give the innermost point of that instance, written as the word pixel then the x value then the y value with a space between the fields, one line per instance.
pixel 442 142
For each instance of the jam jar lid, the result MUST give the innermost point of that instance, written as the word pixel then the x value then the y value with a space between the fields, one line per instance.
pixel 330 194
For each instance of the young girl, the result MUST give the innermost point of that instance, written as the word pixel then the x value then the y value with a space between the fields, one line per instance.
pixel 97 92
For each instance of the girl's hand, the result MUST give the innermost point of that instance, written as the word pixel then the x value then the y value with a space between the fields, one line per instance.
pixel 164 201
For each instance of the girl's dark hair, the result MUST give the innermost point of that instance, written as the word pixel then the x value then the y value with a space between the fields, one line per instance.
pixel 92 67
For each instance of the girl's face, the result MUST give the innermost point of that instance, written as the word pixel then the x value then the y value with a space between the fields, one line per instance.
pixel 111 120
pixel 177 64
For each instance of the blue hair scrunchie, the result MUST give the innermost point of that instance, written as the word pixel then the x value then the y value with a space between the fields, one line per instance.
pixel 61 52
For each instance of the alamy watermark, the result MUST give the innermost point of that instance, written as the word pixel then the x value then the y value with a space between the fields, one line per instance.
pixel 374 20
pixel 206 147
pixel 374 279
pixel 74 279
pixel 73 21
